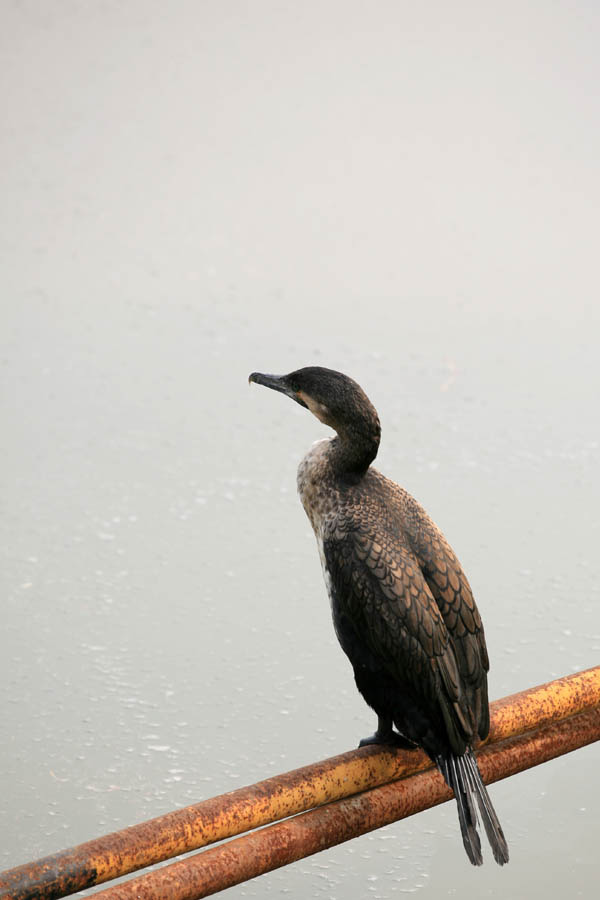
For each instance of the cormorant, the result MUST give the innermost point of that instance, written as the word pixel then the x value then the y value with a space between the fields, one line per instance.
pixel 402 607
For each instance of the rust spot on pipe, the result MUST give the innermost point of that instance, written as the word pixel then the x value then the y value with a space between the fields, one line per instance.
pixel 542 705
pixel 196 826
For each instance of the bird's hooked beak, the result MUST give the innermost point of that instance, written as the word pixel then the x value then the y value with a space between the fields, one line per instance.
pixel 277 383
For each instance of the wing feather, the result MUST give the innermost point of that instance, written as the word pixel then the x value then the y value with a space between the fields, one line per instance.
pixel 379 587
pixel 454 598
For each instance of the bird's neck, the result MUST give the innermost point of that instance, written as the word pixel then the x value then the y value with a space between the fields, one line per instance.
pixel 353 449
pixel 329 465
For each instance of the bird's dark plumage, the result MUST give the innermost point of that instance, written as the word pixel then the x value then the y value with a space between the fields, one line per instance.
pixel 402 607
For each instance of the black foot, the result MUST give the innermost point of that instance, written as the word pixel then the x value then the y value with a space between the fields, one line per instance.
pixel 389 738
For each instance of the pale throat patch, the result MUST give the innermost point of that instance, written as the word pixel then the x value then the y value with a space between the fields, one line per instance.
pixel 317 409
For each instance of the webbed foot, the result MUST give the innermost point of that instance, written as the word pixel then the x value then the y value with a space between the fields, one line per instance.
pixel 388 738
pixel 386 735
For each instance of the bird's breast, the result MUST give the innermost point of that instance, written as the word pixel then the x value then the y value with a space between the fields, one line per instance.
pixel 316 486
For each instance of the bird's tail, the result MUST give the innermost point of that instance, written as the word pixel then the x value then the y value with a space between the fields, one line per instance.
pixel 463 776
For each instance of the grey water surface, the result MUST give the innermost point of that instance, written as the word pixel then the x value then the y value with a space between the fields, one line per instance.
pixel 405 192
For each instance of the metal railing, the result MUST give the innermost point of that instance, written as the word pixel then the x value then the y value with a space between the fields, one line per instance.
pixel 330 802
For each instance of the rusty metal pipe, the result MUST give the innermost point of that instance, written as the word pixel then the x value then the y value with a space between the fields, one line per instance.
pixel 278 845
pixel 181 831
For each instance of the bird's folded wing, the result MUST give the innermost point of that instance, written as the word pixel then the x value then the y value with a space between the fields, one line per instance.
pixel 452 593
pixel 380 588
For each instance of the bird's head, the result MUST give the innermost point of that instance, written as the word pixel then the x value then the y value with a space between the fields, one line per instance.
pixel 334 398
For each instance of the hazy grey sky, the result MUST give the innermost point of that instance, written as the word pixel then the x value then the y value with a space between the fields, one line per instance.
pixel 322 150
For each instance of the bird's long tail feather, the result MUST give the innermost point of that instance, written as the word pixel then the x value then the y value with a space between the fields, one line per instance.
pixel 462 774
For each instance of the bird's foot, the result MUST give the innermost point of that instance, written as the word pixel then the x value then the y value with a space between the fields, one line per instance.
pixel 389 738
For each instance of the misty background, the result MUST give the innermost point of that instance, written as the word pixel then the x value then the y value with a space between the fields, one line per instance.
pixel 406 192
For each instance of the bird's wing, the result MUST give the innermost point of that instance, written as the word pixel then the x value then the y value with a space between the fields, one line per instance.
pixel 380 589
pixel 454 598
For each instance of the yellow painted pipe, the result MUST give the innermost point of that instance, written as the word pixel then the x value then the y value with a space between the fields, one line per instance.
pixel 195 826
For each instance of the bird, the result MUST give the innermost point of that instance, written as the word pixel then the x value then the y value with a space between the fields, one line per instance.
pixel 402 607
